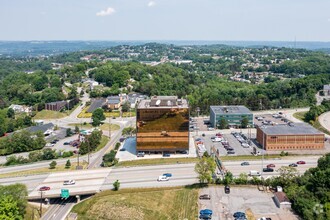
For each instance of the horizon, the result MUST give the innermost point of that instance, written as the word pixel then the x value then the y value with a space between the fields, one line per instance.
pixel 165 20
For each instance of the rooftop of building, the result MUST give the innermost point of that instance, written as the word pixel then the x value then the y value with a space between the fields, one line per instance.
pixel 281 196
pixel 230 109
pixel 292 129
pixel 163 102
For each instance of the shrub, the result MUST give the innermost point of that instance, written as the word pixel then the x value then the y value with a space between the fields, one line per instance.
pixel 52 165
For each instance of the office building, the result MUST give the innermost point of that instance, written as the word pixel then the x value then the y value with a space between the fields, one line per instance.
pixel 296 136
pixel 162 124
pixel 232 114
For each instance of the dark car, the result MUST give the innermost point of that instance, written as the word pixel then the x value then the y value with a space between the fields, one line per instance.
pixel 44 188
pixel 301 162
pixel 121 139
pixel 293 165
pixel 166 155
pixel 167 174
pixel 205 196
pixel 245 164
pixel 239 215
pixel 227 189
pixel 230 149
pixel 205 217
pixel 66 143
pixel 206 212
pixel 122 149
pixel 140 154
pixel 230 152
pixel 268 169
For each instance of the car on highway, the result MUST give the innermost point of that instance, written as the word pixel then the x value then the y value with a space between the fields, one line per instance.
pixel 301 162
pixel 166 155
pixel 163 178
pixel 205 196
pixel 227 189
pixel 206 212
pixel 293 165
pixel 268 169
pixel 239 215
pixel 44 188
pixel 271 165
pixel 245 163
pixel 167 174
pixel 69 182
pixel 205 217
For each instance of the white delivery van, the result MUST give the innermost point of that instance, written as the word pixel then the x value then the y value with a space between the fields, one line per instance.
pixel 254 173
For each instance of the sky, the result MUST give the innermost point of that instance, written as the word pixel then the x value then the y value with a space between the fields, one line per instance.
pixel 223 20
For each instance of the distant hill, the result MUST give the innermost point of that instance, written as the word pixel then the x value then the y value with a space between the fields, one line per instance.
pixel 47 48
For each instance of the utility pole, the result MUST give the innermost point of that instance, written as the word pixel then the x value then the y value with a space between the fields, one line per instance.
pixel 40 203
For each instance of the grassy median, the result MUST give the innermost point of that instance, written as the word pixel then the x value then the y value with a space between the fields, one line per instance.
pixel 141 204
pixel 157 161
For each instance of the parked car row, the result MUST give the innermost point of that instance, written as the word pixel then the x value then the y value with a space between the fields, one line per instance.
pixel 242 139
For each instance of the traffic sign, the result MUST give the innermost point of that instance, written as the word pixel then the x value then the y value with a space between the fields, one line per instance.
pixel 65 193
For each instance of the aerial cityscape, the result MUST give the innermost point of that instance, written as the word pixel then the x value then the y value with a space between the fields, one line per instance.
pixel 164 110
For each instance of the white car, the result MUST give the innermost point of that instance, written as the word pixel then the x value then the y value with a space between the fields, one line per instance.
pixel 216 139
pixel 210 129
pixel 69 182
pixel 245 145
pixel 163 178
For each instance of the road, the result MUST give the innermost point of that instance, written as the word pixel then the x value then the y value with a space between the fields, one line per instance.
pixel 324 120
pixel 60 209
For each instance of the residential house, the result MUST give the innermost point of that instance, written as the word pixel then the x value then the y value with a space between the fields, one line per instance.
pixel 114 102
pixel 20 108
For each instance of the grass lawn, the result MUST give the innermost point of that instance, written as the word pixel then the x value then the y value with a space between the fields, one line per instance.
pixel 299 115
pixel 44 170
pixel 141 204
pixel 248 157
pixel 104 141
pixel 85 114
pixel 104 126
pixel 32 212
pixel 316 124
pixel 158 161
pixel 47 114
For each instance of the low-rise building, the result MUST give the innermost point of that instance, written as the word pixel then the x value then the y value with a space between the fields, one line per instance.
pixel 296 136
pixel 326 90
pixel 232 114
pixel 21 108
pixel 56 106
pixel 114 102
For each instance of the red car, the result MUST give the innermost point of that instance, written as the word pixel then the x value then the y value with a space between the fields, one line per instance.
pixel 218 135
pixel 301 162
pixel 270 165
pixel 44 188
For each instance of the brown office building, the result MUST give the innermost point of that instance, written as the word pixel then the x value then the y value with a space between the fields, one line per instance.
pixel 296 136
pixel 162 125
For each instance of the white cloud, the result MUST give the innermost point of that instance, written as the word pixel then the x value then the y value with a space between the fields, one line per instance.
pixel 106 12
pixel 151 4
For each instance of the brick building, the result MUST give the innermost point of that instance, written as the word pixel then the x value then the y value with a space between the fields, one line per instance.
pixel 297 136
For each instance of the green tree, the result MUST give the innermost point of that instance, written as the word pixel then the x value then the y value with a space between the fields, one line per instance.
pixel 68 132
pixel 19 194
pixel 116 185
pixel 52 165
pixel 244 122
pixel 223 124
pixel 126 107
pixel 97 117
pixel 68 164
pixel 10 113
pixel 8 208
pixel 228 179
pixel 76 129
pixel 129 131
pixel 205 167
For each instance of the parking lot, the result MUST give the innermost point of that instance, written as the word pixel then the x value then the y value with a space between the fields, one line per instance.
pixel 270 119
pixel 241 199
